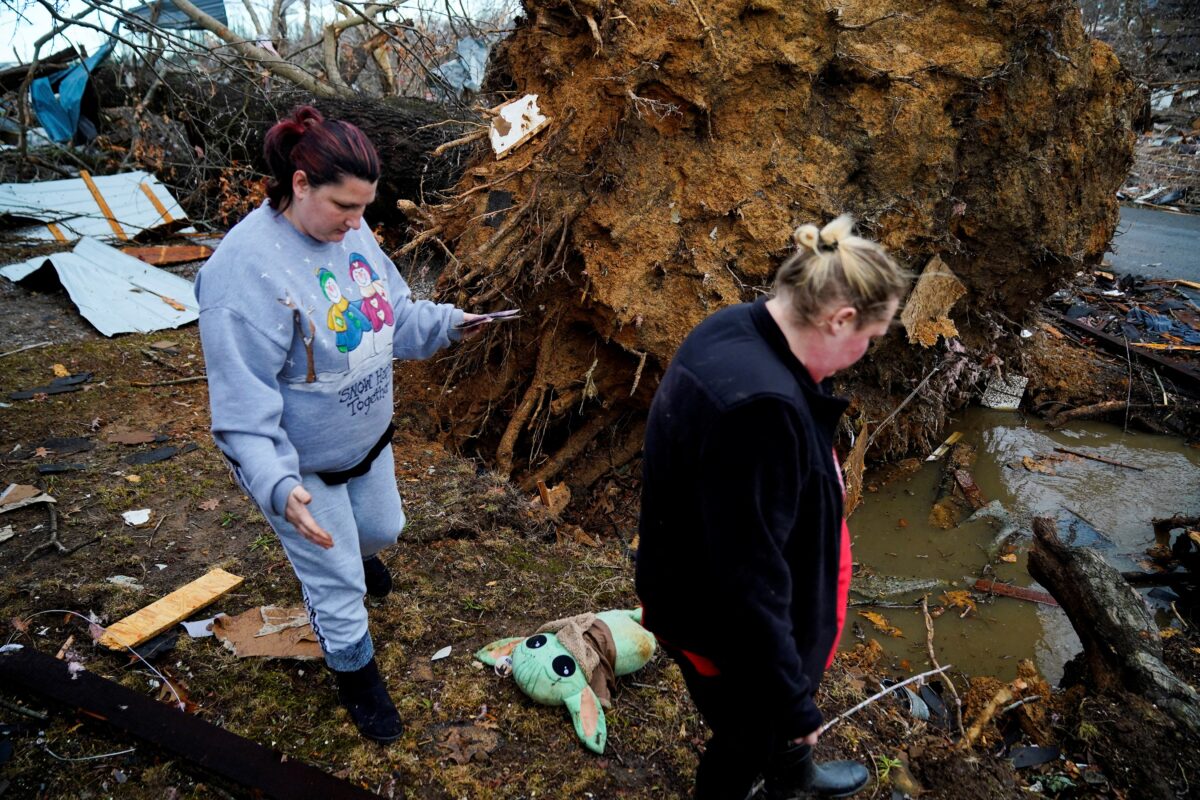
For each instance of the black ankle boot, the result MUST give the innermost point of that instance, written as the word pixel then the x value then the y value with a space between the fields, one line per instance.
pixel 366 698
pixel 379 580
pixel 794 774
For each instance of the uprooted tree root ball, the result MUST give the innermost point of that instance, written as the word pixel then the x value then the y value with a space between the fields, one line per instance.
pixel 687 140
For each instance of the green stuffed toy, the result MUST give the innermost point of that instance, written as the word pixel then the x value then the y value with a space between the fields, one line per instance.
pixel 574 662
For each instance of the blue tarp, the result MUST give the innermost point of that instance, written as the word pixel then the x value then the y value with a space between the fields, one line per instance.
pixel 59 112
pixel 170 17
pixel 464 72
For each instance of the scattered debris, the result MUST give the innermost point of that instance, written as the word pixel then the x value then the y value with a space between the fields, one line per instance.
pixel 464 743
pixel 159 454
pixel 19 495
pixel 126 582
pixel 269 632
pixel 200 629
pixel 127 436
pixel 116 293
pixel 440 654
pixel 1004 394
pixel 990 586
pixel 6 533
pixel 71 383
pixel 170 610
pixel 925 314
pixel 137 518
pixel 515 123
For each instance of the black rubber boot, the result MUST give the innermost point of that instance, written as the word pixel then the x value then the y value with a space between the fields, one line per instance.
pixel 794 774
pixel 379 580
pixel 366 698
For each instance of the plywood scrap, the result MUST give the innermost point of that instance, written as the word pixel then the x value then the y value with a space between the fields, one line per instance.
pixel 926 310
pixel 180 604
pixel 269 632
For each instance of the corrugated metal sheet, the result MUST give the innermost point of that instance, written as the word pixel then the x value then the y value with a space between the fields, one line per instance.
pixel 170 17
pixel 70 206
pixel 115 292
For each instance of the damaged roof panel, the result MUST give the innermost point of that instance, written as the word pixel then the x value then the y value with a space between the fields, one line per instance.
pixel 105 207
pixel 115 292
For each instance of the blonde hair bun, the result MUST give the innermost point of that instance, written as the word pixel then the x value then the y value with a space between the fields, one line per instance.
pixel 838 230
pixel 807 236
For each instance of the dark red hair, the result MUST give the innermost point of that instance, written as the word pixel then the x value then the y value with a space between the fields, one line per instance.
pixel 327 151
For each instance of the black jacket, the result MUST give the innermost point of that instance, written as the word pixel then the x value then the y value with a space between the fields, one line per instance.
pixel 741 522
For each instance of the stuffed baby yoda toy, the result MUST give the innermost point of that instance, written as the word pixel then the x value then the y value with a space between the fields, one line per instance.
pixel 574 662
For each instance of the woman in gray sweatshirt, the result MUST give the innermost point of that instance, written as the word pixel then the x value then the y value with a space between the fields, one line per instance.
pixel 301 314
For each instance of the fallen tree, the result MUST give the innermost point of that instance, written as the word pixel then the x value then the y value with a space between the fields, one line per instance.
pixel 1122 650
pixel 685 143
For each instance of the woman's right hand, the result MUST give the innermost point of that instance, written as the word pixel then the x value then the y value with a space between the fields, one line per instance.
pixel 298 514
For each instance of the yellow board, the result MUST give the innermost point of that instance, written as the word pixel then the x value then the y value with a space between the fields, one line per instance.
pixel 180 604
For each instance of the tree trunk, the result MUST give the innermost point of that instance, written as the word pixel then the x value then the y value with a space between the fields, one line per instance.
pixel 1121 646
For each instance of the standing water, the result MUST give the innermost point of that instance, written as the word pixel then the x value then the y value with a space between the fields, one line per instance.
pixel 901 555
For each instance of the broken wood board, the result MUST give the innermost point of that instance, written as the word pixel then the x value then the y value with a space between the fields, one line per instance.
pixel 1017 592
pixel 944 446
pixel 180 604
pixel 165 255
pixel 925 314
pixel 269 632
pixel 266 772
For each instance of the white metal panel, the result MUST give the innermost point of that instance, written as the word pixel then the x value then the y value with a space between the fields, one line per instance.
pixel 115 292
pixel 70 204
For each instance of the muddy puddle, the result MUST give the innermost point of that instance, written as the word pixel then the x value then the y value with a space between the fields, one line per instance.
pixel 1099 505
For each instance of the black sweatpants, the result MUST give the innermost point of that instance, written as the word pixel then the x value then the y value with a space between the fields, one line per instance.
pixel 741 744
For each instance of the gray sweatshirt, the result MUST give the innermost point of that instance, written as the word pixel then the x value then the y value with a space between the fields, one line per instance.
pixel 281 406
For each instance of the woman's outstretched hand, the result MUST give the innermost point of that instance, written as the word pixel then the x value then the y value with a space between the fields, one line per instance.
pixel 298 514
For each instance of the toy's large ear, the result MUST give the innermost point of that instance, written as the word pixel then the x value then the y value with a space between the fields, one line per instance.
pixel 588 717
pixel 498 649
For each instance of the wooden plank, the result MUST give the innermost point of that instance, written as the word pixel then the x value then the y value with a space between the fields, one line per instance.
pixel 941 451
pixel 158 205
pixel 1019 592
pixel 169 254
pixel 180 604
pixel 266 772
pixel 56 231
pixel 103 204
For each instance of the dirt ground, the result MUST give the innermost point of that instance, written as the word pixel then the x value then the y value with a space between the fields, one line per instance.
pixel 477 562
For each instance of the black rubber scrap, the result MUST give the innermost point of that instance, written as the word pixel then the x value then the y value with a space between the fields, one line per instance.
pixel 159 454
pixel 57 386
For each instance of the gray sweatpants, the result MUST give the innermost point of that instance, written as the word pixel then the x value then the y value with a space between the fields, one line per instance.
pixel 363 515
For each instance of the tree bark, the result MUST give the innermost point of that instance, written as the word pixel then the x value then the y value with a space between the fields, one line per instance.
pixel 1121 644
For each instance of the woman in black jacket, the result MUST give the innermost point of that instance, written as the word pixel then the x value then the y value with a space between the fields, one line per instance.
pixel 744 561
